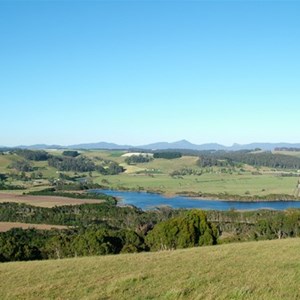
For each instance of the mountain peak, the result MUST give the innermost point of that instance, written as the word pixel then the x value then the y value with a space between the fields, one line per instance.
pixel 184 142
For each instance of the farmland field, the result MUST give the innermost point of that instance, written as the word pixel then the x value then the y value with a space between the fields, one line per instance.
pixel 206 183
pixel 156 176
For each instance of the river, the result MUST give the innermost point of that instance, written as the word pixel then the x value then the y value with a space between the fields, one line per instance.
pixel 148 201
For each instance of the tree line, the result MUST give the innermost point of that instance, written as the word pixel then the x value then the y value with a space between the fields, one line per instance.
pixel 35 155
pixel 266 159
pixel 167 154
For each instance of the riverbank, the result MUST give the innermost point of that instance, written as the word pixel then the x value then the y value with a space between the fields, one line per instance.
pixel 149 201
pixel 239 198
pixel 213 196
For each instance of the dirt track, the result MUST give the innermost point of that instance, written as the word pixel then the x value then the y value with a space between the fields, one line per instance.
pixel 44 201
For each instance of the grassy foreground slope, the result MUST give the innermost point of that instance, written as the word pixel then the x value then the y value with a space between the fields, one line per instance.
pixel 256 270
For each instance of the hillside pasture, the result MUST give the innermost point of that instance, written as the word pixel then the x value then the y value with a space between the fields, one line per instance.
pixel 155 176
pixel 252 270
pixel 233 184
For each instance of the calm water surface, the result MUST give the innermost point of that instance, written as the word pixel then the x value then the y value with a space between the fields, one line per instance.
pixel 146 201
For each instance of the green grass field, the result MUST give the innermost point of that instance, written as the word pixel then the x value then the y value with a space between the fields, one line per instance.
pixel 255 270
pixel 206 183
pixel 237 184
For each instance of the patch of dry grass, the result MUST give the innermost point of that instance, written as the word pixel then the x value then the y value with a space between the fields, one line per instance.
pixel 5 226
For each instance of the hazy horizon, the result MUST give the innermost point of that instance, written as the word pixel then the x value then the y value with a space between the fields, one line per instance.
pixel 136 73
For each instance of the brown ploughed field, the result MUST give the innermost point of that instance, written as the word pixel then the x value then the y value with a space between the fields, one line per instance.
pixel 44 201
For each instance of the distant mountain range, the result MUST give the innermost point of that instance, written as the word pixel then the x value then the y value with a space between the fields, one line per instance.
pixel 183 144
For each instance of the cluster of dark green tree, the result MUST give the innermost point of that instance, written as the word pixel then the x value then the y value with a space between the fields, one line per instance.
pixel 36 155
pixel 167 154
pixel 79 164
pixel 25 176
pixel 17 244
pixel 3 178
pixel 186 171
pixel 4 185
pixel 107 166
pixel 86 214
pixel 21 165
pixel 137 159
pixel 65 182
pixel 112 168
pixel 84 164
pixel 256 225
pixel 72 153
pixel 189 230
pixel 257 159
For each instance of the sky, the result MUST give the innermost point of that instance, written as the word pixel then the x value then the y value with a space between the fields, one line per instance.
pixel 137 72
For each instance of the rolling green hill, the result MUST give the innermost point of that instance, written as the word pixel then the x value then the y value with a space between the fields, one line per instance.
pixel 255 270
pixel 176 176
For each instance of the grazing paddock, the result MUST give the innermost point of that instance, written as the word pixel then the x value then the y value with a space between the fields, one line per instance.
pixel 252 270
pixel 45 201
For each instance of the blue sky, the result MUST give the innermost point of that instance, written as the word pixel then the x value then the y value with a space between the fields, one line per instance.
pixel 137 72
